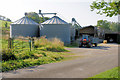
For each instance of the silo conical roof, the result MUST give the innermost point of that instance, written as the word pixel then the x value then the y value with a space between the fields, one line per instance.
pixel 55 20
pixel 25 20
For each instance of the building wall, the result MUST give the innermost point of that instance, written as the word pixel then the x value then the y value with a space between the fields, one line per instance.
pixel 61 31
pixel 89 30
pixel 24 30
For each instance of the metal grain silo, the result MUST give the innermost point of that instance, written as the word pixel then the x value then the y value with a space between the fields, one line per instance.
pixel 56 27
pixel 24 27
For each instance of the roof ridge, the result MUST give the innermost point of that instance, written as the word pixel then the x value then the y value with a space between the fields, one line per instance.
pixel 55 20
pixel 25 20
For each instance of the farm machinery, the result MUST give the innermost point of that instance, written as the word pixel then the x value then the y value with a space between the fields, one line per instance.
pixel 88 41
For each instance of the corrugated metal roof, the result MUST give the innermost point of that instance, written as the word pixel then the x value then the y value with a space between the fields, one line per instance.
pixel 55 20
pixel 25 20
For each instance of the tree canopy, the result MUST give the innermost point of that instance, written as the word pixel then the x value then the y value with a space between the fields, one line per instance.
pixel 35 17
pixel 112 26
pixel 111 8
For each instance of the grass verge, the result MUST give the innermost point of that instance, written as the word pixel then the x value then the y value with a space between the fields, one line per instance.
pixel 20 56
pixel 112 74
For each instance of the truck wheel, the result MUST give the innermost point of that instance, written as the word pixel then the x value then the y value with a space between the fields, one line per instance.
pixel 95 44
pixel 90 45
pixel 80 45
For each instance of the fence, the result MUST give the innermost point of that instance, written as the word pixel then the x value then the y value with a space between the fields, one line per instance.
pixel 21 43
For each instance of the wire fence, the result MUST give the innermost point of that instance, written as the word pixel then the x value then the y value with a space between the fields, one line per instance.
pixel 21 44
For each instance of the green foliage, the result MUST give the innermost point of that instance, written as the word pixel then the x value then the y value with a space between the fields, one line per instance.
pixel 103 24
pixel 21 63
pixel 5 27
pixel 5 18
pixel 54 44
pixel 7 54
pixel 21 57
pixel 42 20
pixel 113 26
pixel 41 42
pixel 111 8
pixel 5 23
pixel 35 17
pixel 112 73
pixel 73 44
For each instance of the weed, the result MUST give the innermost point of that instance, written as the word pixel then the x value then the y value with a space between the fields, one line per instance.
pixel 7 54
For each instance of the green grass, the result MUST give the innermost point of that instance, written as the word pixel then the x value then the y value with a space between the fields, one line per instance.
pixel 44 52
pixel 54 44
pixel 112 73
pixel 31 59
pixel 74 44
pixel 20 56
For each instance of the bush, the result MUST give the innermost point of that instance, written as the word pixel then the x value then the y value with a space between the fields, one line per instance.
pixel 52 44
pixel 55 49
pixel 31 54
pixel 7 54
pixel 27 54
pixel 41 42
pixel 15 64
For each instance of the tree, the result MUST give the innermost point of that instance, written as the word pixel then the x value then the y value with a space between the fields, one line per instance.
pixel 42 20
pixel 9 20
pixel 111 8
pixel 103 24
pixel 35 17
pixel 112 26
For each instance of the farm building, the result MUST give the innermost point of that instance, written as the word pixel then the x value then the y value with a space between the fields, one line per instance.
pixel 104 34
pixel 111 36
pixel 24 27
pixel 90 30
pixel 56 27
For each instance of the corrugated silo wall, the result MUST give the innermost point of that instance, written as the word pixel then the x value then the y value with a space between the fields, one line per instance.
pixel 24 30
pixel 61 31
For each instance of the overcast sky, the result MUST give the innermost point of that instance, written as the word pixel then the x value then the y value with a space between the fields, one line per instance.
pixel 66 9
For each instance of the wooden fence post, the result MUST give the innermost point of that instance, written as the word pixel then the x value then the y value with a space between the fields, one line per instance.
pixel 30 43
pixel 10 43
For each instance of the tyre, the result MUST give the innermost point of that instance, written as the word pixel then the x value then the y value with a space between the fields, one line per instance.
pixel 90 45
pixel 80 45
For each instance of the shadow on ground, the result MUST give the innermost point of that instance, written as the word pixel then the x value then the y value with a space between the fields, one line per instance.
pixel 98 47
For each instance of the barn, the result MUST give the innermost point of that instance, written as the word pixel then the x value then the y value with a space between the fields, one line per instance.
pixel 24 27
pixel 103 34
pixel 111 37
pixel 89 30
pixel 56 27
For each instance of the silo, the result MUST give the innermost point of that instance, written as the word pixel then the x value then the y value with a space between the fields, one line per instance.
pixel 55 27
pixel 24 27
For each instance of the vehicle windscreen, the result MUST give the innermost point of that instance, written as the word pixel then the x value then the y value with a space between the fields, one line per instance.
pixel 85 37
